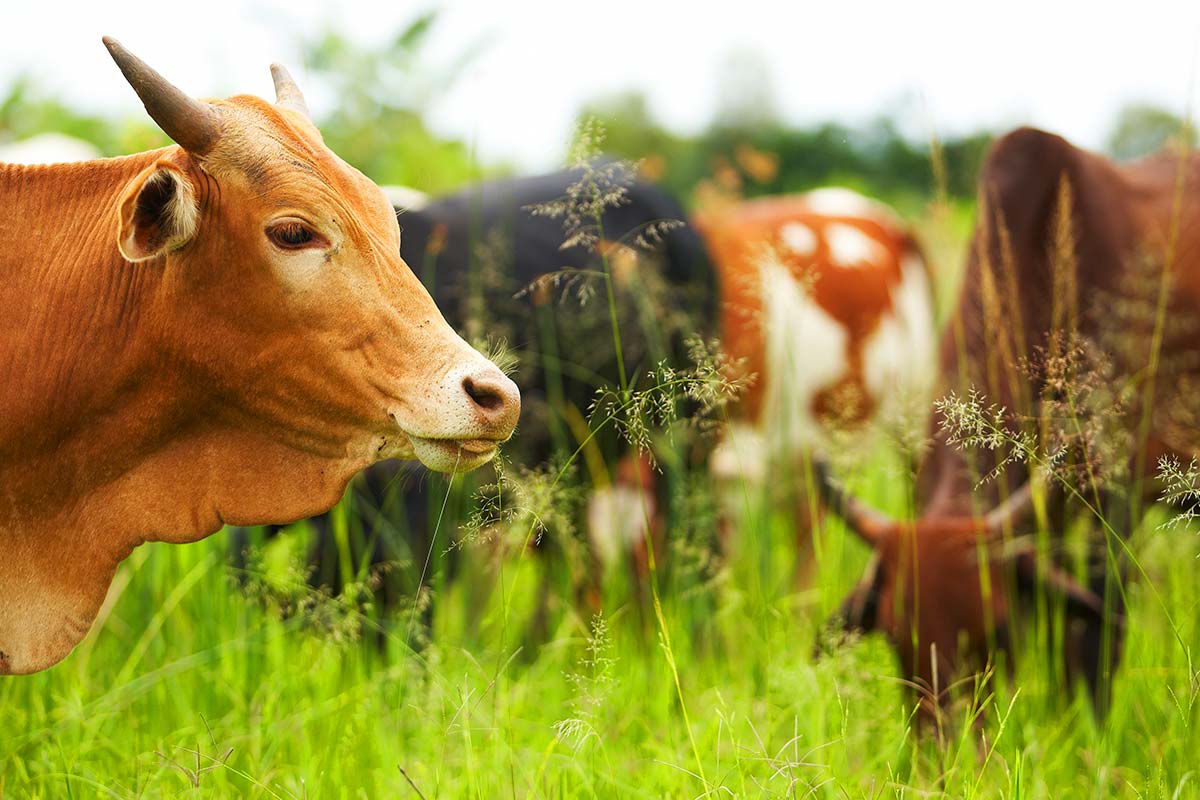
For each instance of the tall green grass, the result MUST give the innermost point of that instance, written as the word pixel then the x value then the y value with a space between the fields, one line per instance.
pixel 186 689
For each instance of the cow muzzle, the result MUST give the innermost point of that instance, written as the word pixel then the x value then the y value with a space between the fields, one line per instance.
pixel 484 406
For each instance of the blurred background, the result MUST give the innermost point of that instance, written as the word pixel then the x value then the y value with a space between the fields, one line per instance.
pixel 434 97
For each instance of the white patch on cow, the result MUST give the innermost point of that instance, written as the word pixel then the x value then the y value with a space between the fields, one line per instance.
pixel 739 456
pixel 798 238
pixel 405 197
pixel 850 247
pixel 616 521
pixel 806 353
pixel 899 358
pixel 836 201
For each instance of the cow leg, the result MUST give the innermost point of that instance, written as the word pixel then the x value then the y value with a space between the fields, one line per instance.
pixel 738 469
pixel 623 523
pixel 424 508
pixel 932 675
pixel 807 518
pixel 588 584
pixel 538 631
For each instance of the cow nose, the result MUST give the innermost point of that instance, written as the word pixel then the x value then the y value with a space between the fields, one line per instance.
pixel 496 399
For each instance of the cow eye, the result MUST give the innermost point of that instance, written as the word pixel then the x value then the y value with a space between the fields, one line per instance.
pixel 292 235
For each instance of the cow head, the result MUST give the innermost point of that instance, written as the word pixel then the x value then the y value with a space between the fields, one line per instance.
pixel 263 341
pixel 938 584
pixel 286 294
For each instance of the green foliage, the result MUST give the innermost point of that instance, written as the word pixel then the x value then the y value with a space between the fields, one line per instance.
pixel 377 124
pixel 876 159
pixel 26 110
pixel 1141 129
pixel 186 689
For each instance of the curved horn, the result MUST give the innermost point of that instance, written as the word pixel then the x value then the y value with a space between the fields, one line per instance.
pixel 870 525
pixel 287 93
pixel 193 125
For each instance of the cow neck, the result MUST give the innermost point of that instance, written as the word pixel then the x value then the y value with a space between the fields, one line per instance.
pixel 81 396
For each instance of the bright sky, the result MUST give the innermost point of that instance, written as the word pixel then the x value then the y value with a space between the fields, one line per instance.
pixel 949 66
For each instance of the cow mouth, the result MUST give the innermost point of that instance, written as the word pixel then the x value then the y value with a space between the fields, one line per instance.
pixel 454 455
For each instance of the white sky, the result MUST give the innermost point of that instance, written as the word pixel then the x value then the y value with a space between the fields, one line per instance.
pixel 949 66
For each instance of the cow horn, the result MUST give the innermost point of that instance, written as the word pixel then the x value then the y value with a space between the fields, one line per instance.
pixel 870 525
pixel 1012 511
pixel 194 125
pixel 287 93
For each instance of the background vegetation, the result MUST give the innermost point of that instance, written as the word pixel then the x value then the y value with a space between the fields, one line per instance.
pixel 199 681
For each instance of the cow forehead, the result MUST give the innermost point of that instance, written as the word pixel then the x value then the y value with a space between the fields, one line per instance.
pixel 279 152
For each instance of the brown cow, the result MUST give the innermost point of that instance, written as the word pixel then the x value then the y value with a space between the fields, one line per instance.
pixel 219 331
pixel 1069 248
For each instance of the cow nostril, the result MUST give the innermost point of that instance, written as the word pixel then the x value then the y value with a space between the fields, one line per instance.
pixel 486 395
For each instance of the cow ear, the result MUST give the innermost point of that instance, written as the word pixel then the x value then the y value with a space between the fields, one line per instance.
pixel 158 213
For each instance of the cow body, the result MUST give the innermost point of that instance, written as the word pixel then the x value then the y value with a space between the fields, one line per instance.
pixel 1069 257
pixel 827 300
pixel 827 308
pixel 220 331
pixel 496 264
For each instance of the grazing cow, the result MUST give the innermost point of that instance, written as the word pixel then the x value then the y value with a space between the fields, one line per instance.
pixel 218 331
pixel 497 267
pixel 827 301
pixel 1071 254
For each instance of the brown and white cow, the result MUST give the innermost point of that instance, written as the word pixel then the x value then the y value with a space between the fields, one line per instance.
pixel 219 331
pixel 1068 247
pixel 825 297
pixel 826 301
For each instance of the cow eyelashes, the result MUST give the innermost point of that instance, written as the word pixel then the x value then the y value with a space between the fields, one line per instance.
pixel 293 235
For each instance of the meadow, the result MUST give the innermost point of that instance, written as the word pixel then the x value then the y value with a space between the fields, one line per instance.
pixel 186 689
pixel 202 680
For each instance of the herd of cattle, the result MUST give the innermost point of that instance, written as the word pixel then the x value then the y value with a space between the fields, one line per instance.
pixel 230 330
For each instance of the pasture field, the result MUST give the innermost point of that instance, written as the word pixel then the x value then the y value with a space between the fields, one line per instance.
pixel 199 681
pixel 189 690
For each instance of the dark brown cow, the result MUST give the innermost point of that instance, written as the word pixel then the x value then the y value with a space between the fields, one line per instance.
pixel 1068 257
